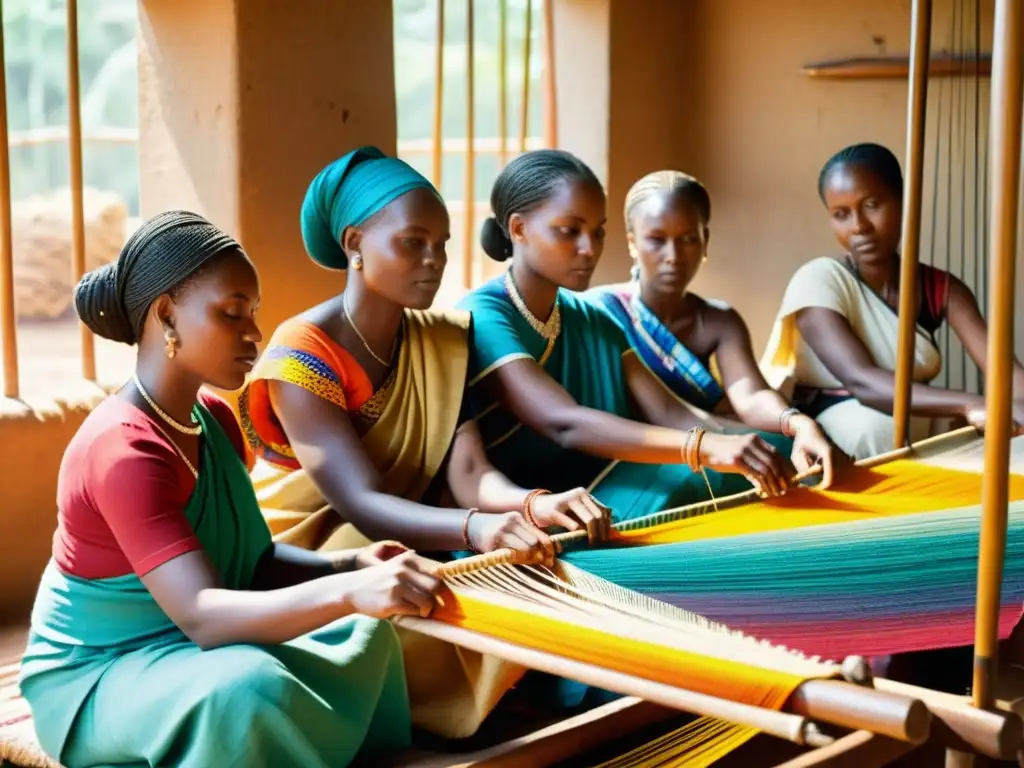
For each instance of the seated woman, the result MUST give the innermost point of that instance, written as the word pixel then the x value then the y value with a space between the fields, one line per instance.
pixel 560 397
pixel 834 340
pixel 168 627
pixel 354 410
pixel 676 332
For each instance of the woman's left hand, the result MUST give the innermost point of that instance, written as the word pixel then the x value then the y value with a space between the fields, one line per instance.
pixel 573 510
pixel 810 447
pixel 379 552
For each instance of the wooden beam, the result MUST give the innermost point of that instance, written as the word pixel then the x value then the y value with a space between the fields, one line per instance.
pixel 898 67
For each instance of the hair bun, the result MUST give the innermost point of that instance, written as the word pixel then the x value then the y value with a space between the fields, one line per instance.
pixel 100 308
pixel 494 241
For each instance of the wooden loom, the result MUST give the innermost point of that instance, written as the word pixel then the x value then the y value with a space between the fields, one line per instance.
pixel 884 719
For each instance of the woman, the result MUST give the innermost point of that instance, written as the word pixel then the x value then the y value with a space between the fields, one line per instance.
pixel 168 628
pixel 355 407
pixel 677 333
pixel 544 359
pixel 834 340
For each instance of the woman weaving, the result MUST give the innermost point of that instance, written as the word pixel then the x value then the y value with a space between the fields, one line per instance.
pixel 168 629
pixel 676 332
pixel 355 407
pixel 557 392
pixel 834 340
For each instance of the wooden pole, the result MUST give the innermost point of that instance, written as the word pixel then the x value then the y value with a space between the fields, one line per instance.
pixel 469 246
pixel 1005 122
pixel 524 115
pixel 502 83
pixel 550 86
pixel 8 318
pixel 917 98
pixel 86 340
pixel 437 155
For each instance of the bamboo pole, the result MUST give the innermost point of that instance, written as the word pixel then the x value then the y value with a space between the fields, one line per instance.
pixel 524 115
pixel 917 98
pixel 437 156
pixel 1005 122
pixel 550 82
pixel 8 318
pixel 469 246
pixel 86 340
pixel 502 83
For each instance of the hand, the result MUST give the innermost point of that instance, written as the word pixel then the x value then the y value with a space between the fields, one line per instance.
pixel 573 510
pixel 810 447
pixel 378 552
pixel 977 417
pixel 509 530
pixel 749 455
pixel 395 587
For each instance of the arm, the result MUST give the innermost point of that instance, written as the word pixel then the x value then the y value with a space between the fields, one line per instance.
pixel 284 565
pixel 967 323
pixel 830 336
pixel 187 589
pixel 656 402
pixel 474 481
pixel 328 448
pixel 756 404
pixel 542 404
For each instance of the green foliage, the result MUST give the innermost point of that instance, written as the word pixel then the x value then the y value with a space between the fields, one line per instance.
pixel 35 43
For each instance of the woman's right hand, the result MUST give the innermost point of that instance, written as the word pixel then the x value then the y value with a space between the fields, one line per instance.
pixel 402 585
pixel 510 530
pixel 750 455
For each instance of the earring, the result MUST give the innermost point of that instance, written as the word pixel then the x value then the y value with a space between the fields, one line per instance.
pixel 357 261
pixel 634 272
pixel 172 343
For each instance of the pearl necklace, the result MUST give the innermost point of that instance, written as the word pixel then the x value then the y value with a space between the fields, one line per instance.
pixel 352 323
pixel 548 330
pixel 196 430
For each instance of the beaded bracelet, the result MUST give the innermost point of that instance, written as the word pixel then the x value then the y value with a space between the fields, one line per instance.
pixel 528 505
pixel 465 531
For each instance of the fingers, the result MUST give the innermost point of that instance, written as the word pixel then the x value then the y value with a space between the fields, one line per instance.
pixel 412 601
pixel 523 537
pixel 827 470
pixel 602 517
pixel 762 460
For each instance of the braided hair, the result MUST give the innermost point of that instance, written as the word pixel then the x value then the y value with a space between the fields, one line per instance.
pixel 686 187
pixel 524 185
pixel 871 157
pixel 162 256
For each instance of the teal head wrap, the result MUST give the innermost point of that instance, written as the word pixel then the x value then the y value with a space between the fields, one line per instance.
pixel 348 192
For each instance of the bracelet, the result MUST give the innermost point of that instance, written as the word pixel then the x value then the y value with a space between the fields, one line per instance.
pixel 784 420
pixel 465 530
pixel 691 449
pixel 528 505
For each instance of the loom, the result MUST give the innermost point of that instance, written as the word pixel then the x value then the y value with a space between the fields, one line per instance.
pixel 724 609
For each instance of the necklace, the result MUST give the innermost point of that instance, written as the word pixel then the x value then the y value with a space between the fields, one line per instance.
pixel 196 430
pixel 351 322
pixel 548 330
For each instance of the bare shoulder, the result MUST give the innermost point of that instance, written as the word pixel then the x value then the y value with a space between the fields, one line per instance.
pixel 720 316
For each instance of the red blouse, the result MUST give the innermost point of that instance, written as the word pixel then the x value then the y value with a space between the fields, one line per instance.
pixel 122 492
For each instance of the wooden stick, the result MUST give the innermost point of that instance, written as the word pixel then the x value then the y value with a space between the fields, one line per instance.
pixel 779 724
pixel 8 317
pixel 830 701
pixel 469 232
pixel 1007 98
pixel 920 46
pixel 502 83
pixel 860 749
pixel 956 724
pixel 437 148
pixel 524 115
pixel 550 83
pixel 75 175
pixel 898 67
